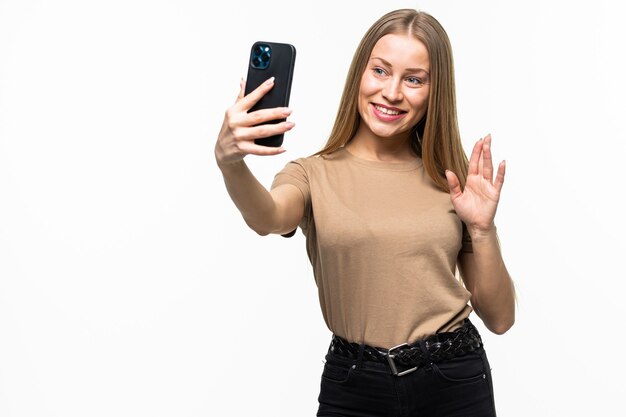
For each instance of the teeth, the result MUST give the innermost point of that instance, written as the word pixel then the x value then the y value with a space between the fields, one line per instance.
pixel 386 110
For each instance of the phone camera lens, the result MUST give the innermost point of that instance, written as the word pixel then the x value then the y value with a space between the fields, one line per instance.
pixel 261 56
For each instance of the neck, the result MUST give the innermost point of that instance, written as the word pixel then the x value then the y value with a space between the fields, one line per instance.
pixel 366 145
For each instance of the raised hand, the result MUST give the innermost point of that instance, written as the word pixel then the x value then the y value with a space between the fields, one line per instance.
pixel 476 205
pixel 239 130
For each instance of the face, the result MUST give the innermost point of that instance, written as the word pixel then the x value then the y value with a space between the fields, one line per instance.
pixel 393 94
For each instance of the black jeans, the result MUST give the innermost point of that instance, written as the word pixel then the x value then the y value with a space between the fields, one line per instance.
pixel 457 387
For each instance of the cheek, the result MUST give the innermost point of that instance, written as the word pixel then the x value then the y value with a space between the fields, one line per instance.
pixel 419 100
pixel 368 86
pixel 366 90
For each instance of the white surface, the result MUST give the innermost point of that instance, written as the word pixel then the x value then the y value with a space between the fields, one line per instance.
pixel 130 285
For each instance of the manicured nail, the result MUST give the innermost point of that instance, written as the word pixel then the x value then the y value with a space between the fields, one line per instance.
pixel 270 81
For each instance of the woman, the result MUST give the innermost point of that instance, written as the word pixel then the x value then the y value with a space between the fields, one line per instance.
pixel 390 207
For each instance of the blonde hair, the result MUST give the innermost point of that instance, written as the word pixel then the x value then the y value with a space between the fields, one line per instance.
pixel 436 137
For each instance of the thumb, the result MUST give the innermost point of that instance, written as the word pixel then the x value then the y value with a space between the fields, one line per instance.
pixel 453 183
pixel 242 89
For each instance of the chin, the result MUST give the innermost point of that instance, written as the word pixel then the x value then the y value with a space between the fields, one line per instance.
pixel 385 133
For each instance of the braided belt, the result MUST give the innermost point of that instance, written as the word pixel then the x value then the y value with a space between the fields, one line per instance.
pixel 434 348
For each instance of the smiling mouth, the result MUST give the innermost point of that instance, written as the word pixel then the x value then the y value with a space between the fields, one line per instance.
pixel 391 111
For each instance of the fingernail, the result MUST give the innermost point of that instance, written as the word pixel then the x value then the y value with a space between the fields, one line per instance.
pixel 287 112
pixel 289 125
pixel 270 81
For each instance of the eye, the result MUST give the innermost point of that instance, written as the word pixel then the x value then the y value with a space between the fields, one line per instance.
pixel 415 81
pixel 379 71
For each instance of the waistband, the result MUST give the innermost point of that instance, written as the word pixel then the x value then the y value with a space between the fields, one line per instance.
pixel 434 348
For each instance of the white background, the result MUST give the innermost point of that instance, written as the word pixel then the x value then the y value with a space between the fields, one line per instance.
pixel 129 283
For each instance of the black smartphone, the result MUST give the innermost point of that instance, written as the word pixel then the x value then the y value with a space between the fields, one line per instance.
pixel 271 59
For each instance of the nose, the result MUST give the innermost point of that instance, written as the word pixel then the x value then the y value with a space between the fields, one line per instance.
pixel 392 90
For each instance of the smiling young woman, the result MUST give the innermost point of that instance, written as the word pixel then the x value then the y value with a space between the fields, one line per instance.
pixel 393 94
pixel 390 208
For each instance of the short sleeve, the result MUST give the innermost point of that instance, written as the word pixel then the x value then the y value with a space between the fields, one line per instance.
pixel 466 240
pixel 295 173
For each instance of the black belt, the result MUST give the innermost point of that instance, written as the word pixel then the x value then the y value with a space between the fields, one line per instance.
pixel 434 348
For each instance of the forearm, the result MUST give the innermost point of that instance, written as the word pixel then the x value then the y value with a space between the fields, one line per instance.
pixel 251 198
pixel 494 292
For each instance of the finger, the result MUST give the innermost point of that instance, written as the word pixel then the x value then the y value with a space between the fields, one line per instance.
pixel 265 115
pixel 500 176
pixel 264 131
pixel 454 184
pixel 487 161
pixel 253 97
pixel 252 148
pixel 474 158
pixel 480 159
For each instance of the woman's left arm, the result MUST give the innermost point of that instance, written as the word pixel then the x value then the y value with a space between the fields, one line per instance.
pixel 486 277
pixel 483 271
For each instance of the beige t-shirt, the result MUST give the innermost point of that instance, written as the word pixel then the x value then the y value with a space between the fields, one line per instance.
pixel 383 241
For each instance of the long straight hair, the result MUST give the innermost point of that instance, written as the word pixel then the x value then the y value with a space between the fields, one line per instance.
pixel 436 137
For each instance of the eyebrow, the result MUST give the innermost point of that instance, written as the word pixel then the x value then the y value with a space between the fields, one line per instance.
pixel 384 61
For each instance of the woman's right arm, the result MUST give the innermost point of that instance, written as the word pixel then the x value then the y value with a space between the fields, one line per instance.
pixel 278 211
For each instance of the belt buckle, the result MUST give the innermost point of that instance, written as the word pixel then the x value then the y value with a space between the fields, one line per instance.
pixel 392 364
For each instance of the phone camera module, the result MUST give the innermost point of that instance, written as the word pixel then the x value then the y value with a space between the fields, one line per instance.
pixel 261 56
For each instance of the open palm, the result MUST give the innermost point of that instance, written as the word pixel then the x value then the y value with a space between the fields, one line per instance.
pixel 476 205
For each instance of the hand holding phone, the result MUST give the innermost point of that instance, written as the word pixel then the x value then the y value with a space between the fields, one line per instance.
pixel 271 59
pixel 253 124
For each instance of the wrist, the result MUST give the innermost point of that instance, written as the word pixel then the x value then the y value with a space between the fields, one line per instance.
pixel 482 233
pixel 226 164
pixel 226 167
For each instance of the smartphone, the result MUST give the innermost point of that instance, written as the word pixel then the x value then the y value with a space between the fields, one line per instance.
pixel 271 59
